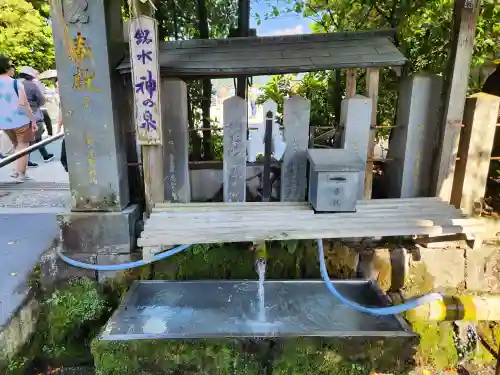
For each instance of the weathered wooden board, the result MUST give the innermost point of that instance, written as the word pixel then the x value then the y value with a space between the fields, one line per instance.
pixel 457 76
pixel 375 218
pixel 474 152
pixel 275 55
pixel 146 78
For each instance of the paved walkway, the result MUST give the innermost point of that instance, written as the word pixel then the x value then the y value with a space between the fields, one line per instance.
pixel 28 225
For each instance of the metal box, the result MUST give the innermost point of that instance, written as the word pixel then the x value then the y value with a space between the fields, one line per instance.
pixel 334 179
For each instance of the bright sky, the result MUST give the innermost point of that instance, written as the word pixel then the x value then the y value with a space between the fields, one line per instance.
pixel 284 24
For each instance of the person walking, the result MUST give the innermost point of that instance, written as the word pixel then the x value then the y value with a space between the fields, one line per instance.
pixel 46 117
pixel 16 116
pixel 36 99
pixel 60 128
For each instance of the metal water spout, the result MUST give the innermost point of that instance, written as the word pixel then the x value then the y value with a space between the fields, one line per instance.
pixel 260 254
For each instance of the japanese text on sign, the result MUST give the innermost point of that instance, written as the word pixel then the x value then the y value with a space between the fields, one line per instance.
pixel 91 156
pixel 145 73
pixel 83 78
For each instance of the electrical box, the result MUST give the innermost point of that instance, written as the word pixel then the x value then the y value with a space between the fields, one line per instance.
pixel 334 179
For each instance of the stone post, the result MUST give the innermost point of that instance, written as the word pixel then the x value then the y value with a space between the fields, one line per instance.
pixel 87 51
pixel 175 141
pixel 235 149
pixel 296 118
pixel 411 142
pixel 88 39
pixel 355 119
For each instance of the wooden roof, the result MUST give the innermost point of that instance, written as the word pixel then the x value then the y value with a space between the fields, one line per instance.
pixel 253 56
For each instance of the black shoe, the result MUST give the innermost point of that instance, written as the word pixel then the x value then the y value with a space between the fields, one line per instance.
pixel 32 165
pixel 49 157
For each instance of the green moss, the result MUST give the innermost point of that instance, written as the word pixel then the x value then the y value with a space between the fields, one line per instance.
pixel 490 331
pixel 172 357
pixel 342 356
pixel 70 317
pixel 237 261
pixel 437 349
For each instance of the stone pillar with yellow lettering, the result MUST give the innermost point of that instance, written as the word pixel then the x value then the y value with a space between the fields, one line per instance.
pixel 89 43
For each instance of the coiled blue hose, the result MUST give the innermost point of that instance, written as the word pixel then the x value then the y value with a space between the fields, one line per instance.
pixel 391 310
pixel 124 266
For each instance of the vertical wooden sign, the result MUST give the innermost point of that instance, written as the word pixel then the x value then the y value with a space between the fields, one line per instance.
pixel 146 77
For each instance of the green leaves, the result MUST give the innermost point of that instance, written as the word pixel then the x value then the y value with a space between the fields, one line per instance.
pixel 25 35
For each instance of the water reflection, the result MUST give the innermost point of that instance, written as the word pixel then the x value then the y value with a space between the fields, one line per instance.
pixel 234 309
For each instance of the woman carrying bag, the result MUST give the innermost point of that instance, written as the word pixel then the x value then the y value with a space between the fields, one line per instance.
pixel 36 99
pixel 16 116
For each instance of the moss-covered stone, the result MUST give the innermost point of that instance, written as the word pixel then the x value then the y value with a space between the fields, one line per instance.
pixel 172 357
pixel 69 318
pixel 437 349
pixel 344 356
pixel 297 356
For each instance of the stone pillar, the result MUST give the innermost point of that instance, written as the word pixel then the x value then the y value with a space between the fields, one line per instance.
pixel 235 149
pixel 355 119
pixel 411 142
pixel 101 228
pixel 87 50
pixel 296 116
pixel 175 141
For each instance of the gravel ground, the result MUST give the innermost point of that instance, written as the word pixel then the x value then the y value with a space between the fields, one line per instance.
pixel 35 199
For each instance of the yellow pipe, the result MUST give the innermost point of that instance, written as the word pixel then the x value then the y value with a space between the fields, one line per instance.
pixel 468 308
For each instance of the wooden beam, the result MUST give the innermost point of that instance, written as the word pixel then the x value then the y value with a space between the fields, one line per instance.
pixel 240 222
pixel 350 79
pixel 474 151
pixel 372 84
pixel 149 136
pixel 462 46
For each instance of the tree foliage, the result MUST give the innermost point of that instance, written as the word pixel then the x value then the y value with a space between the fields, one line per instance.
pixel 423 35
pixel 25 35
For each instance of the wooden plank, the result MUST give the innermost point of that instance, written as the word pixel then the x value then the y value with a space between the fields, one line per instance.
pixel 294 168
pixel 145 78
pixel 464 28
pixel 372 84
pixel 331 232
pixel 361 208
pixel 175 141
pixel 152 165
pixel 168 225
pixel 235 149
pixel 157 228
pixel 350 78
pixel 262 41
pixel 474 151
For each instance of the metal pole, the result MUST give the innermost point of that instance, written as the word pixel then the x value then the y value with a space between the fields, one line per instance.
pixel 11 158
pixel 268 139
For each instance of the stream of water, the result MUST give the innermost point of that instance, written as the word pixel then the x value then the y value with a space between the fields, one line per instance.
pixel 261 271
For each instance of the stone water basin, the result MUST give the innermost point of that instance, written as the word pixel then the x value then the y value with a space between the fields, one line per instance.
pixel 212 326
pixel 227 308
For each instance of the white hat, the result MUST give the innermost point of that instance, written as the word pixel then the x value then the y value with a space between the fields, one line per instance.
pixel 29 71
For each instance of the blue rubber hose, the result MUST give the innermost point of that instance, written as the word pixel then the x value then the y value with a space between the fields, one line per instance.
pixel 124 266
pixel 391 310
